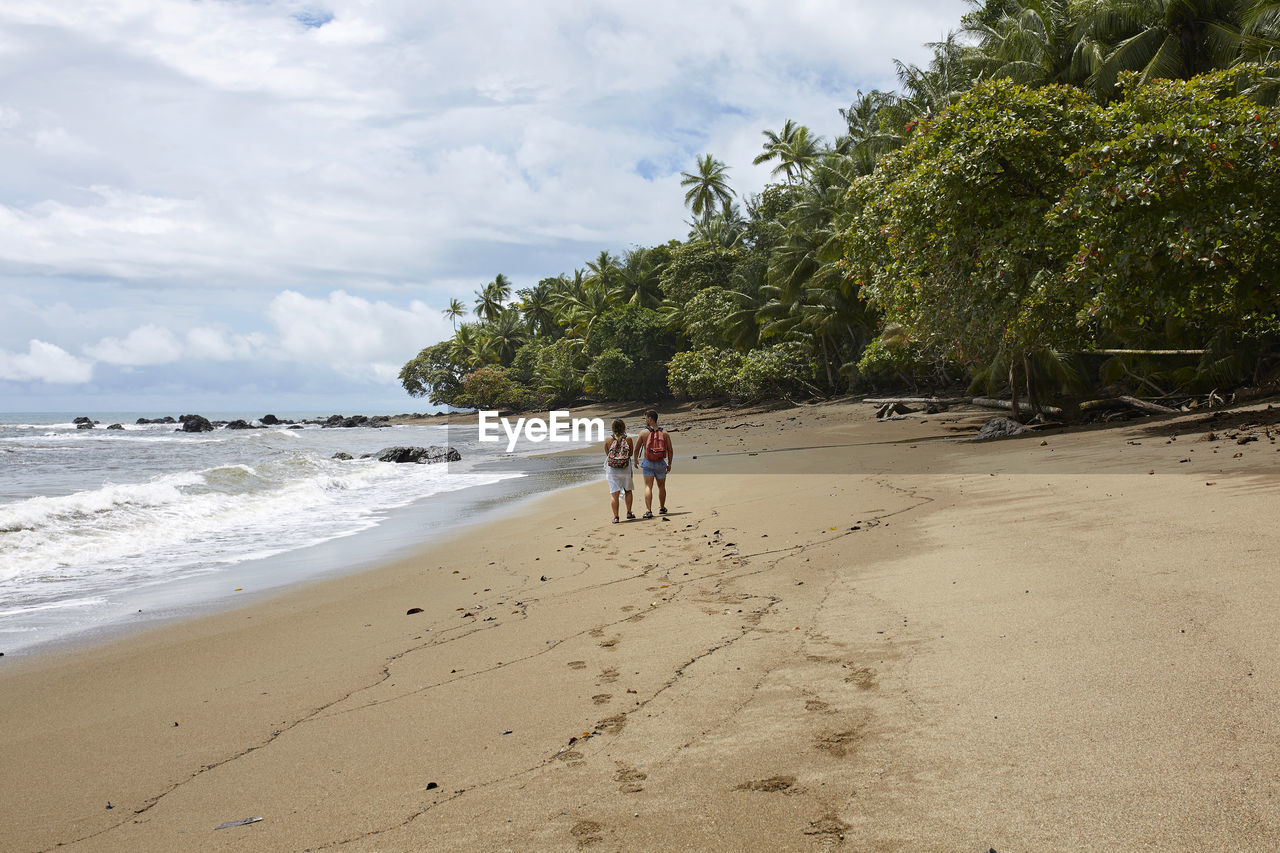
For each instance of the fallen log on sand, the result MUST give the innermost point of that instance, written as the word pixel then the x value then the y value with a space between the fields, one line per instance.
pixel 989 403
pixel 1128 402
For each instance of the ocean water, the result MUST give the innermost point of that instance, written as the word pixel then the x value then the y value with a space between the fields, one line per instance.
pixel 98 526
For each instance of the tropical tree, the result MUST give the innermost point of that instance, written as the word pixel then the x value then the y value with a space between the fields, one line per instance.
pixel 505 334
pixel 794 147
pixel 708 187
pixel 490 300
pixel 1033 42
pixel 455 312
pixel 537 308
pixel 1166 38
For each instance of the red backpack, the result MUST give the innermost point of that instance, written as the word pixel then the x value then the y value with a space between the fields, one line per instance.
pixel 655 446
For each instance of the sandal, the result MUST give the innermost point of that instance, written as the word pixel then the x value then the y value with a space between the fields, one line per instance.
pixel 648 514
pixel 662 510
pixel 631 516
pixel 615 520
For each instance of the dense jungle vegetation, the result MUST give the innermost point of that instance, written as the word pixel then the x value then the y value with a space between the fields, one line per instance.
pixel 1070 195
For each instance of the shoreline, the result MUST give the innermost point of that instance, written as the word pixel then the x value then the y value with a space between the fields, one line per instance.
pixel 847 631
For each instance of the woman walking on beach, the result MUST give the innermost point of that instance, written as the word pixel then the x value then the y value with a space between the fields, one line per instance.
pixel 617 468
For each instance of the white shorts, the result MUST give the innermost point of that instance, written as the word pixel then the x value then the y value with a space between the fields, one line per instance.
pixel 619 478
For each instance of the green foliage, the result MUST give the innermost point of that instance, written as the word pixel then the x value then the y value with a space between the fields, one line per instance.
pixel 612 375
pixel 697 266
pixel 642 336
pixel 949 239
pixel 487 388
pixel 433 373
pixel 704 317
pixel 1175 212
pixel 893 363
pixel 779 370
pixel 561 379
pixel 784 369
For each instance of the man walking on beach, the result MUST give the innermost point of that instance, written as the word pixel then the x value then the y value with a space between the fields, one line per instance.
pixel 654 455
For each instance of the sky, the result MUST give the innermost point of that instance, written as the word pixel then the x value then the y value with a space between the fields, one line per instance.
pixel 243 205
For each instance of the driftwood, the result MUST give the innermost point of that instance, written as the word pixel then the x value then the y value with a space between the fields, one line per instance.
pixel 744 423
pixel 989 403
pixel 1129 402
pixel 882 401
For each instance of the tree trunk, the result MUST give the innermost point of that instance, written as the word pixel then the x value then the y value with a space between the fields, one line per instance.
pixel 989 403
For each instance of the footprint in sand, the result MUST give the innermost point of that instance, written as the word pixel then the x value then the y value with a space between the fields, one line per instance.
pixel 828 825
pixel 596 632
pixel 635 618
pixel 601 698
pixel 838 744
pixel 773 783
pixel 627 608
pixel 571 757
pixel 608 676
pixel 577 664
pixel 587 832
pixel 612 725
pixel 863 677
pixel 630 778
pixel 610 643
pixel 816 705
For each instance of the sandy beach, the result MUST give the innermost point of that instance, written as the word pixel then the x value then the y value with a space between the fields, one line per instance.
pixel 847 634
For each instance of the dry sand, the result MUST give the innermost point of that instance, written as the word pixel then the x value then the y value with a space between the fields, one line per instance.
pixel 848 634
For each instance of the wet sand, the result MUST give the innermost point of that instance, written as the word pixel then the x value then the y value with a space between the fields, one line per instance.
pixel 847 634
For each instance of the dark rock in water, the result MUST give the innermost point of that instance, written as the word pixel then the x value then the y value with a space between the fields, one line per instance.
pixel 167 419
pixel 240 424
pixel 295 426
pixel 116 426
pixel 195 423
pixel 88 425
pixel 419 455
pixel 333 420
pixel 999 428
pixel 341 455
pixel 83 420
pixel 270 420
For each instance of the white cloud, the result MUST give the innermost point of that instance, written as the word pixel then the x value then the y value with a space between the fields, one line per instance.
pixel 145 345
pixel 44 362
pixel 351 335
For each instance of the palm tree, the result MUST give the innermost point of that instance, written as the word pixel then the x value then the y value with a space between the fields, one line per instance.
pixel 504 335
pixel 1166 38
pixel 1033 42
pixel 708 187
pixel 794 148
pixel 536 306
pixel 639 276
pixel 604 271
pixel 490 301
pixel 455 312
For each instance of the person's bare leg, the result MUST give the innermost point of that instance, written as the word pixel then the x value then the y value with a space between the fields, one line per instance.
pixel 615 512
pixel 662 493
pixel 613 502
pixel 648 493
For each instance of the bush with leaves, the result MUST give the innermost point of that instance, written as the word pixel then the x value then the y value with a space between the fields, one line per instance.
pixel 612 375
pixel 704 372
pixel 1176 212
pixel 704 317
pixel 640 334
pixel 949 237
pixel 491 387
pixel 780 370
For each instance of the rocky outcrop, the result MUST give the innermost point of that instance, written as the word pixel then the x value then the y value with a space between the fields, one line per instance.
pixel 417 455
pixel 116 426
pixel 999 428
pixel 341 456
pixel 84 423
pixel 269 420
pixel 240 424
pixel 195 423
pixel 167 419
